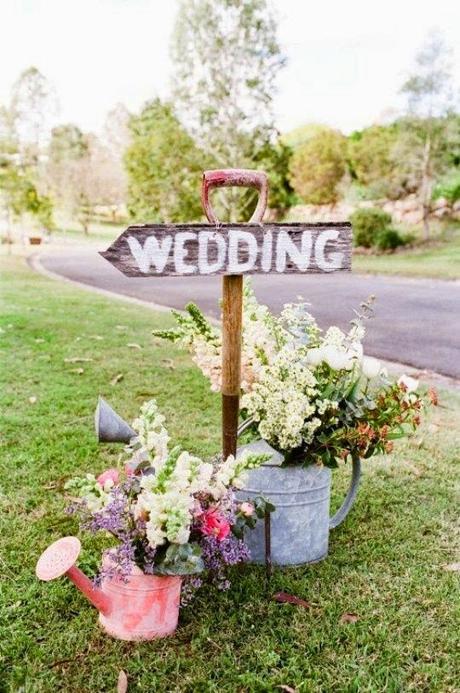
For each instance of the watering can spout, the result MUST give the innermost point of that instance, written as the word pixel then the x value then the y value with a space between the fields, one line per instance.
pixel 110 427
pixel 59 559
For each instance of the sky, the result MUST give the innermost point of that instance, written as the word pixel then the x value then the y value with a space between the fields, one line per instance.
pixel 346 60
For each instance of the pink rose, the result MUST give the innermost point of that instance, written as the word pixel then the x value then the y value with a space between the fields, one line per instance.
pixel 109 475
pixel 214 524
pixel 130 469
pixel 247 509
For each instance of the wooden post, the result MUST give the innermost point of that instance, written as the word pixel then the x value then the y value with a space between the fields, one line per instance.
pixel 232 316
pixel 232 300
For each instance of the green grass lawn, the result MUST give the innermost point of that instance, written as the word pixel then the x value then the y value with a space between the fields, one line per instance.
pixel 440 260
pixel 386 564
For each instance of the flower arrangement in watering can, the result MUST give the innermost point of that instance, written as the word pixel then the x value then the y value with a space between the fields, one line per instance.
pixel 175 519
pixel 316 402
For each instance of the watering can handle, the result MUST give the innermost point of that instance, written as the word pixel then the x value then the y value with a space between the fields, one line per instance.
pixel 235 177
pixel 347 504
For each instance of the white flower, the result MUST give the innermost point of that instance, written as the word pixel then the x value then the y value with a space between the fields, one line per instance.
pixel 336 358
pixel 314 356
pixel 411 384
pixel 182 536
pixel 371 367
pixel 355 351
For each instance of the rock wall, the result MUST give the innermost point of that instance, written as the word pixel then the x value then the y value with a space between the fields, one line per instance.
pixel 406 211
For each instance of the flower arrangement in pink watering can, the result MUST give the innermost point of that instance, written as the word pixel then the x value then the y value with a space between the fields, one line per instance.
pixel 175 523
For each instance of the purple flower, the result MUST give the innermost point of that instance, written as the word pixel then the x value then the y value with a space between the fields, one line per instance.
pixel 217 555
pixel 190 585
pixel 117 562
pixel 112 518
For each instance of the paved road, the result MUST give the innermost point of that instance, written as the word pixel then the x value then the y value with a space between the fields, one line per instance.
pixel 417 322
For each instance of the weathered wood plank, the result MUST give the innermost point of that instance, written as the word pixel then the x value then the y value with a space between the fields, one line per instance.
pixel 200 249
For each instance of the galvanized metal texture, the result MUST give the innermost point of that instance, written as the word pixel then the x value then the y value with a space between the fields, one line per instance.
pixel 300 524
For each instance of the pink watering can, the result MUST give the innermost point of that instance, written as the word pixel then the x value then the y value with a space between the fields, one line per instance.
pixel 143 608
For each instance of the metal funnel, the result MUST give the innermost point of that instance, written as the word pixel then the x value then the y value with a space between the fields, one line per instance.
pixel 110 427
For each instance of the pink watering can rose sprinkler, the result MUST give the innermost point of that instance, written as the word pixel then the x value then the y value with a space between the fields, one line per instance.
pixel 144 608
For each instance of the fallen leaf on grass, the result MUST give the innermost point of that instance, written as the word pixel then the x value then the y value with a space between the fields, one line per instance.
pixel 452 567
pixel 32 399
pixel 168 363
pixel 117 379
pixel 121 327
pixel 348 617
pixel 78 371
pixel 97 337
pixel 122 685
pixel 133 345
pixel 77 359
pixel 284 597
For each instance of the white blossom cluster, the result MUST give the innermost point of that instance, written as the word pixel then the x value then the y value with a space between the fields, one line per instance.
pixel 292 374
pixel 208 357
pixel 168 501
pixel 153 436
pixel 282 399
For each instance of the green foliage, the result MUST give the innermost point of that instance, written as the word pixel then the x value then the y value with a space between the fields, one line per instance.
pixel 368 223
pixel 181 559
pixel 448 187
pixel 295 138
pixel 192 323
pixel 389 239
pixel 274 159
pixel 20 195
pixel 164 167
pixel 318 166
pixel 370 158
pixel 68 143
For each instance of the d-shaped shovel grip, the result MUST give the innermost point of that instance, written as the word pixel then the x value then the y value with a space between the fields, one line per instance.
pixel 235 177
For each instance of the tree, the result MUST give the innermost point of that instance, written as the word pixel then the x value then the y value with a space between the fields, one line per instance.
pixel 19 195
pixel 67 144
pixel 425 128
pixel 275 160
pixel 371 162
pixel 318 166
pixel 83 172
pixel 164 167
pixel 32 106
pixel 226 62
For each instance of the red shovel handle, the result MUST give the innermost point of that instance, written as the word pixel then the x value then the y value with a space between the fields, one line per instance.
pixel 232 177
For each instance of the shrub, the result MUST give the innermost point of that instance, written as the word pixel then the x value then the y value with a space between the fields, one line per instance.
pixel 389 239
pixel 317 167
pixel 449 188
pixel 368 223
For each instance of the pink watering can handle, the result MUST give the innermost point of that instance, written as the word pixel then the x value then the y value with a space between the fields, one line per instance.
pixel 59 559
pixel 235 177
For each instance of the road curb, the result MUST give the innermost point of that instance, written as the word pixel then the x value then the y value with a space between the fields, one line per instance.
pixel 428 377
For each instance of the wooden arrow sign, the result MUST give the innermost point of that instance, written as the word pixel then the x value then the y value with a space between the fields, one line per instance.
pixel 156 250
pixel 200 249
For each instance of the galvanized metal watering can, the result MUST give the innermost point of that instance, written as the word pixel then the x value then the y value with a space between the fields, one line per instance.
pixel 299 527
pixel 143 608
